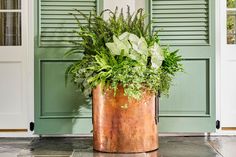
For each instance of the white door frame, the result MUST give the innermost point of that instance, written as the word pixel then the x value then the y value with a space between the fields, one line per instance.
pixel 31 38
pixel 218 61
pixel 223 52
pixel 27 66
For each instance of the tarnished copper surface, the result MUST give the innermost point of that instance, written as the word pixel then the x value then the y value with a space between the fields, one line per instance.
pixel 122 125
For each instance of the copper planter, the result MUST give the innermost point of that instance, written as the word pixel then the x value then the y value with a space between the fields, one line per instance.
pixel 121 125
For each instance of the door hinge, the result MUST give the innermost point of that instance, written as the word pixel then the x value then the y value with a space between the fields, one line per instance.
pixel 31 126
pixel 217 124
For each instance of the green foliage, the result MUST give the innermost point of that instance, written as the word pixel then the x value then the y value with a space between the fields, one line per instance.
pixel 231 4
pixel 170 66
pixel 122 51
pixel 230 23
pixel 230 19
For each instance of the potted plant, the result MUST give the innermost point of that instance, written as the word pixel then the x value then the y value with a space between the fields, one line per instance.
pixel 123 67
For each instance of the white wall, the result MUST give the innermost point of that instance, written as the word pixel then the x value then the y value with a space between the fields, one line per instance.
pixel 134 4
pixel 112 4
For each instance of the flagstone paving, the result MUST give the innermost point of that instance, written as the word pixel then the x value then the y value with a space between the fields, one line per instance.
pixel 224 146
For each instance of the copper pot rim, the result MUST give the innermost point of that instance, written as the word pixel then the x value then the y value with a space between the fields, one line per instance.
pixel 105 88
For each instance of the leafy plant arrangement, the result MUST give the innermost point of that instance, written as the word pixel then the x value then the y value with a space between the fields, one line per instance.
pixel 122 51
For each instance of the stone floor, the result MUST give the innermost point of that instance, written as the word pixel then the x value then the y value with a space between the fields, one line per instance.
pixel 82 147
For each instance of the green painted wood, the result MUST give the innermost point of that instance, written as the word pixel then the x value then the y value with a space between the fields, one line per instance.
pixel 54 15
pixel 171 14
pixel 59 108
pixel 188 25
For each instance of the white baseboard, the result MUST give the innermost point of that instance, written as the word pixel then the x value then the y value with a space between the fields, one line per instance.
pixel 17 134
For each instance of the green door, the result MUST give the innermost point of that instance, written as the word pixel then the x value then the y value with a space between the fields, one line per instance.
pixel 188 25
pixel 59 109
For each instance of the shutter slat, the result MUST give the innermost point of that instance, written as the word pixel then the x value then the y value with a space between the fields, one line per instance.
pixel 185 33
pixel 60 17
pixel 178 29
pixel 52 43
pixel 169 7
pixel 57 25
pixel 56 30
pixel 185 42
pixel 69 7
pixel 180 11
pixel 154 16
pixel 165 20
pixel 182 37
pixel 60 34
pixel 67 1
pixel 65 11
pixel 181 22
pixel 179 2
pixel 51 21
pixel 56 38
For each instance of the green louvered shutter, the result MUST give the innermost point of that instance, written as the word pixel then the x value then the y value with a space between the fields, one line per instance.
pixel 182 22
pixel 59 109
pixel 57 25
pixel 188 25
